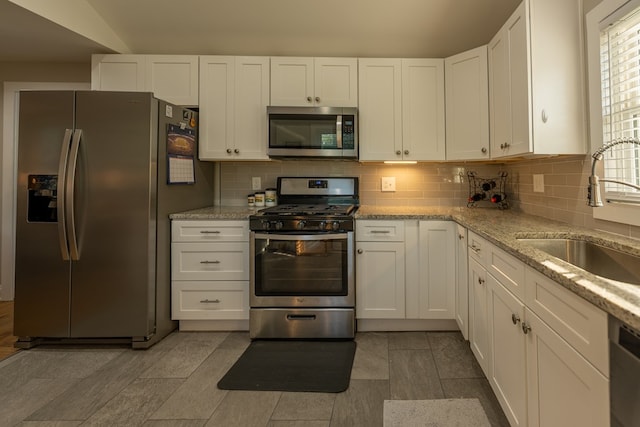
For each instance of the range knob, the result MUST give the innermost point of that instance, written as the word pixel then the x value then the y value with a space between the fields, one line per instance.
pixel 266 225
pixel 322 225
pixel 279 225
pixel 335 225
pixel 301 224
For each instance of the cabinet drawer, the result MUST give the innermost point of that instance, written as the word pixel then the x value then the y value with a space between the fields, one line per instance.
pixel 210 231
pixel 507 269
pixel 210 261
pixel 209 300
pixel 478 248
pixel 580 323
pixel 376 231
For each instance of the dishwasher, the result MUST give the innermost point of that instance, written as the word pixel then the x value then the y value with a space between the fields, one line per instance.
pixel 624 371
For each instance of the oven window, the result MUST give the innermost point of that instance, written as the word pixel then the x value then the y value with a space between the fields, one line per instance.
pixel 301 267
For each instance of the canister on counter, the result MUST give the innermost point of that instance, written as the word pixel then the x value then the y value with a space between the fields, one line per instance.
pixel 251 200
pixel 259 199
pixel 270 197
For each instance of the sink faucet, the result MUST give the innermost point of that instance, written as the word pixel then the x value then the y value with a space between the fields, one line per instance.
pixel 593 192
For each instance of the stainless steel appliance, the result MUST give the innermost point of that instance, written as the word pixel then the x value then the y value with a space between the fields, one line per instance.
pixel 320 132
pixel 302 261
pixel 93 233
pixel 624 379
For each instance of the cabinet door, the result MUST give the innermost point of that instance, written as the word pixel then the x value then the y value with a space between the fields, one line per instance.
pixel 336 82
pixel 217 106
pixel 516 33
pixel 437 254
pixel 173 78
pixel 380 280
pixel 292 81
pixel 423 123
pixel 499 94
pixel 507 367
pixel 462 282
pixel 118 72
pixel 251 100
pixel 564 389
pixel 467 105
pixel 478 332
pixel 380 109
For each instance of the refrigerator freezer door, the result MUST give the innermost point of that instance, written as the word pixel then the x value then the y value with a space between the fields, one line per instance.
pixel 42 291
pixel 114 206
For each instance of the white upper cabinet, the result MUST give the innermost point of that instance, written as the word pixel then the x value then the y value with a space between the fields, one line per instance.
pixel 467 95
pixel 536 81
pixel 234 94
pixel 173 78
pixel 401 109
pixel 314 82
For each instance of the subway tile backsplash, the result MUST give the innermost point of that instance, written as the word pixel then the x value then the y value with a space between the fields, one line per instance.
pixel 441 184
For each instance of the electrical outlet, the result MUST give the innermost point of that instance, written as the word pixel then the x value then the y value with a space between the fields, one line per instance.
pixel 256 183
pixel 388 183
pixel 538 183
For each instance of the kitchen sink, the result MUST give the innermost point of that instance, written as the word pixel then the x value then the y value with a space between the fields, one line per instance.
pixel 596 259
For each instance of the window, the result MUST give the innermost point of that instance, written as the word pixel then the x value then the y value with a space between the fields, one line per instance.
pixel 620 80
pixel 613 60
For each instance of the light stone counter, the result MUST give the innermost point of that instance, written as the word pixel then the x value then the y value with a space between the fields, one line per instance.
pixel 502 228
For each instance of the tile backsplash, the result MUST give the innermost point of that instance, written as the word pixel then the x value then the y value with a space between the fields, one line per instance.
pixel 441 184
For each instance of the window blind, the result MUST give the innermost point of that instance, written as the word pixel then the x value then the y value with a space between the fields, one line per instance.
pixel 620 78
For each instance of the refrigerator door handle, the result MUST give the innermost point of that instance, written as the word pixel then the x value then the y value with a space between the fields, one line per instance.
pixel 61 196
pixel 70 195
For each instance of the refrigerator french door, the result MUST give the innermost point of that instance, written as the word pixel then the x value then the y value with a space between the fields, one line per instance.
pixel 87 213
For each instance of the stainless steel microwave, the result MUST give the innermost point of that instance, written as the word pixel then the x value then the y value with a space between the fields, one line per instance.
pixel 320 132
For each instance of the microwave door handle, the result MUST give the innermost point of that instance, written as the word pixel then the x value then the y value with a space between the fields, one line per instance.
pixel 339 131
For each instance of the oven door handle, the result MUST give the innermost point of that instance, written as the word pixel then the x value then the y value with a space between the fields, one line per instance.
pixel 306 237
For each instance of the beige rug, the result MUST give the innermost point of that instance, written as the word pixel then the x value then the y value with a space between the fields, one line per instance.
pixel 435 413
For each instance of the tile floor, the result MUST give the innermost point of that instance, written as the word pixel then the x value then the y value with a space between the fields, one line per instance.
pixel 174 384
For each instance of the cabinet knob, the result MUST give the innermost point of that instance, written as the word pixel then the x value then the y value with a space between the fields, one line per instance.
pixel 480 280
pixel 309 99
pixel 525 328
pixel 484 150
pixel 398 152
pixel 229 151
pixel 317 99
pixel 460 236
pixel 515 318
pixel 237 151
pixel 544 116
pixel 360 251
pixel 406 152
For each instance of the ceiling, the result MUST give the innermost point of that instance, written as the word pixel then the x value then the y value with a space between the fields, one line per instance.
pixel 367 28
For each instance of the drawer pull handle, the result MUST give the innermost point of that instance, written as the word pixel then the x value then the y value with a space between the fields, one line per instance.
pixel 515 318
pixel 209 262
pixel 209 231
pixel 525 328
pixel 475 249
pixel 301 317
pixel 209 301
pixel 380 231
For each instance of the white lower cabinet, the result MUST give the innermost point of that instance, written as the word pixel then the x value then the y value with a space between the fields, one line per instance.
pixel 210 273
pixel 543 348
pixel 507 369
pixel 405 269
pixel 380 270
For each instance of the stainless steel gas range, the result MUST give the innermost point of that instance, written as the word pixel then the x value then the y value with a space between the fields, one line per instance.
pixel 302 261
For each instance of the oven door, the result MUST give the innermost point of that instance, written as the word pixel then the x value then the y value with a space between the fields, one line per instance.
pixel 302 270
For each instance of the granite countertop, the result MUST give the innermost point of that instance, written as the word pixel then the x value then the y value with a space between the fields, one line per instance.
pixel 503 228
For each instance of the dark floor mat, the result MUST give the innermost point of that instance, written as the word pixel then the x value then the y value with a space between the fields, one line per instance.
pixel 292 365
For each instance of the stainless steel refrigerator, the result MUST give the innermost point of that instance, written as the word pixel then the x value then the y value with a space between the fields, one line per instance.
pixel 97 180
